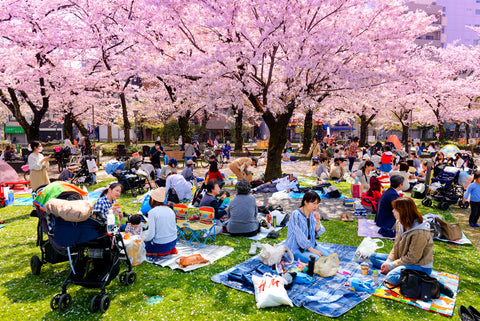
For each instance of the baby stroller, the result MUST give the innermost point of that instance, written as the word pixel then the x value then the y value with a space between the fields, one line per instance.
pixel 94 255
pixel 445 190
pixel 84 175
pixel 469 162
pixel 121 152
pixel 62 157
pixel 129 178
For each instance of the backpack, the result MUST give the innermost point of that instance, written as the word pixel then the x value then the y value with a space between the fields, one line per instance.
pixel 418 285
pixel 332 192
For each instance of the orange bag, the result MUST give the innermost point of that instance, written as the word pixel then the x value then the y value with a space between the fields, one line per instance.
pixel 191 260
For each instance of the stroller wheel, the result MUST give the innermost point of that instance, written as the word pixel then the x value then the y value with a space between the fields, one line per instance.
pixel 123 278
pixel 64 302
pixel 443 206
pixel 35 265
pixel 131 277
pixel 104 303
pixel 54 302
pixel 134 194
pixel 95 304
pixel 427 202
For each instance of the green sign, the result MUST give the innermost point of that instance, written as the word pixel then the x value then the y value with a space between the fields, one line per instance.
pixel 14 130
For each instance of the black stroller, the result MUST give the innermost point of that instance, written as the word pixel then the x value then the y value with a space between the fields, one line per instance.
pixel 94 255
pixel 121 152
pixel 444 188
pixel 127 175
pixel 82 175
pixel 62 157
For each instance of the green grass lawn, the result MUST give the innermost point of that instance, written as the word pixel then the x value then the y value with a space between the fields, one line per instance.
pixel 192 296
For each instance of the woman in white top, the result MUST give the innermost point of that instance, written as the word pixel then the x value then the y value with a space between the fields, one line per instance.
pixel 38 165
pixel 162 230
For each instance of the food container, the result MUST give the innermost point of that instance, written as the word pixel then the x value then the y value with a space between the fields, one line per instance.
pixel 364 267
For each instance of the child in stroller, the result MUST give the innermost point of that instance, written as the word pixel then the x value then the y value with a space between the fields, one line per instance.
pixel 83 174
pixel 127 174
pixel 445 189
pixel 74 235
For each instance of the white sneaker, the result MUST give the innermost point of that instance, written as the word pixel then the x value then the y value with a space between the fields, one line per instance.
pixel 253 248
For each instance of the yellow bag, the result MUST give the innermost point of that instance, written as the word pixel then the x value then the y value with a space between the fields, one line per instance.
pixel 327 265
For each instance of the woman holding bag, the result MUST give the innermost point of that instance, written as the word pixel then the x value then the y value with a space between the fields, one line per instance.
pixel 303 227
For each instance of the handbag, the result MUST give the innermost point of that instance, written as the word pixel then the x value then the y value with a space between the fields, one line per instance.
pixel 450 231
pixel 185 261
pixel 270 255
pixel 367 248
pixel 418 285
pixel 327 265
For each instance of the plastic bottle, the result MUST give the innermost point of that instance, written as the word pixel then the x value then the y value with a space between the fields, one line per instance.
pixel 110 222
pixel 375 278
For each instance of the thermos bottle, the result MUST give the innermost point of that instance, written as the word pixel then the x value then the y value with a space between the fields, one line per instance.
pixel 311 265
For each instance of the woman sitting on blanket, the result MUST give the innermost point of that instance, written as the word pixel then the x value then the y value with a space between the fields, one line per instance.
pixel 161 237
pixel 413 247
pixel 304 226
pixel 108 198
pixel 242 212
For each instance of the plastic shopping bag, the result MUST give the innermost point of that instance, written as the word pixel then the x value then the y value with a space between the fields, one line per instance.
pixel 327 266
pixel 135 249
pixel 366 248
pixel 270 291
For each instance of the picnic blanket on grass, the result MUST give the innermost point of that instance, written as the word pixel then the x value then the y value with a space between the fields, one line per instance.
pixel 27 200
pixel 260 236
pixel 370 229
pixel 209 252
pixel 328 296
pixel 295 195
pixel 443 305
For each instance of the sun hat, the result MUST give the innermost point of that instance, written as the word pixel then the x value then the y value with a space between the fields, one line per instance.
pixel 190 162
pixel 295 175
pixel 158 194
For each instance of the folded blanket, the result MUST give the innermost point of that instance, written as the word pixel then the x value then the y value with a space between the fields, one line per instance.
pixel 71 211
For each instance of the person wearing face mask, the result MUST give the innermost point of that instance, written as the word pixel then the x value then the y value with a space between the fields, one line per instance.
pixel 38 165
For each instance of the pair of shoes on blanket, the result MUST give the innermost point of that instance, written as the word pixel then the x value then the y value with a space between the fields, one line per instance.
pixel 253 248
pixel 346 217
pixel 470 314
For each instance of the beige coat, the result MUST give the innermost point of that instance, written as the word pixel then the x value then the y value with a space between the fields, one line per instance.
pixel 314 151
pixel 38 170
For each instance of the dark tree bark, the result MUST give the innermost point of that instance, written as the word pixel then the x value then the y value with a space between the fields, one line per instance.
pixel 467 131
pixel 81 127
pixel 203 127
pixel 456 132
pixel 126 122
pixel 405 129
pixel 68 125
pixel 184 124
pixel 32 129
pixel 364 122
pixel 307 132
pixel 238 130
pixel 441 132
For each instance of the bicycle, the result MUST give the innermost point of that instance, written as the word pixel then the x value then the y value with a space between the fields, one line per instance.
pixel 209 152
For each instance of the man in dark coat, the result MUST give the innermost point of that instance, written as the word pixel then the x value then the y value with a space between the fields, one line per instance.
pixel 384 218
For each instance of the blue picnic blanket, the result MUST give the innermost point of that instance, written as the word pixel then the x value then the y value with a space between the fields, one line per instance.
pixel 28 200
pixel 295 195
pixel 325 296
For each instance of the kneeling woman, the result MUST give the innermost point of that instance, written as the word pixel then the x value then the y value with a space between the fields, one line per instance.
pixel 162 231
pixel 303 227
pixel 413 247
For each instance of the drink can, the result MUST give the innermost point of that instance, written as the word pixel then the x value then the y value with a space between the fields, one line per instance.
pixel 364 267
pixel 269 218
pixel 274 221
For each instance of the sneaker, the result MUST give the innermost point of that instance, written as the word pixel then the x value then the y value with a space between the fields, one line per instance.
pixel 476 225
pixel 472 225
pixel 253 248
pixel 465 314
pixel 195 217
pixel 474 312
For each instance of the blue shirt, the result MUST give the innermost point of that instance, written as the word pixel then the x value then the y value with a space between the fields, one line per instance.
pixel 473 190
pixel 299 237
pixel 103 204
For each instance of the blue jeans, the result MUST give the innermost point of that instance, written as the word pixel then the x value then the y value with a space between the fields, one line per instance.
pixel 186 159
pixel 151 247
pixel 393 277
pixel 305 256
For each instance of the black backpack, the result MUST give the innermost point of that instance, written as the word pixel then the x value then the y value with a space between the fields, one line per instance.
pixel 418 285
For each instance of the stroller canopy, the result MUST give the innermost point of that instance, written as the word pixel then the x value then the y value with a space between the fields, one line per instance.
pixel 395 141
pixel 7 173
pixel 54 189
pixel 449 150
pixel 114 165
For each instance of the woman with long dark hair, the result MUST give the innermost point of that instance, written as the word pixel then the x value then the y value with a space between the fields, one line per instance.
pixel 38 165
pixel 108 198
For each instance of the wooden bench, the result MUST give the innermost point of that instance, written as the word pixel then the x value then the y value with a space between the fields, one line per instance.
pixel 177 154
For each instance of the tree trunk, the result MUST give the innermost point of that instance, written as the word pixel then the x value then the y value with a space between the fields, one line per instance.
pixel 109 134
pixel 363 130
pixel 441 132
pixel 307 132
pixel 405 136
pixel 467 131
pixel 278 138
pixel 238 130
pixel 68 125
pixel 456 132
pixel 183 123
pixel 83 130
pixel 203 127
pixel 126 122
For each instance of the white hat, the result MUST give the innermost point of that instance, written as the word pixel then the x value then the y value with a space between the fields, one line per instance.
pixel 365 156
pixel 228 142
pixel 158 194
pixel 295 175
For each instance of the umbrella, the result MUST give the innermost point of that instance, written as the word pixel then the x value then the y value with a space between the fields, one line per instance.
pixel 7 173
pixel 395 141
pixel 449 150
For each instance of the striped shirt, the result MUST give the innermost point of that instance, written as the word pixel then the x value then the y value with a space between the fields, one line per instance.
pixel 299 236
